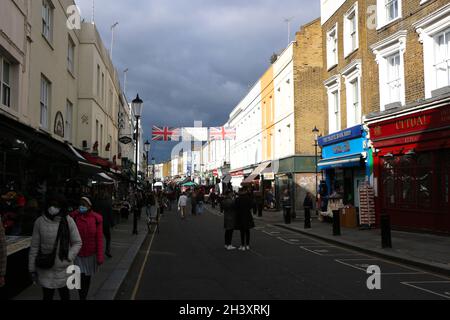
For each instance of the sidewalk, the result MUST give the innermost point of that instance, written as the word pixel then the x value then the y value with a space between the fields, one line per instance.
pixel 106 283
pixel 430 252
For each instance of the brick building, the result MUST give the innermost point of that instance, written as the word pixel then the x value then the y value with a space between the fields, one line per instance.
pixel 409 101
pixel 346 156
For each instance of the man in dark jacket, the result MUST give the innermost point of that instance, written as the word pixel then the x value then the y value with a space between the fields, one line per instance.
pixel 229 219
pixel 103 205
pixel 308 205
pixel 244 218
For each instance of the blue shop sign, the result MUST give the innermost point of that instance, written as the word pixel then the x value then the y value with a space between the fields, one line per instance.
pixel 343 149
pixel 345 135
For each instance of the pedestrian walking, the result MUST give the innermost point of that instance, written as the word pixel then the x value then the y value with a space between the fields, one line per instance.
pixel 307 206
pixel 3 255
pixel 229 217
pixel 182 205
pixel 103 205
pixel 54 246
pixel 244 218
pixel 259 202
pixel 287 206
pixel 194 203
pixel 90 227
pixel 200 202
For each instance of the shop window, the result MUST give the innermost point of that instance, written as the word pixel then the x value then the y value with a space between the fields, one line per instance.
pixel 424 176
pixel 388 181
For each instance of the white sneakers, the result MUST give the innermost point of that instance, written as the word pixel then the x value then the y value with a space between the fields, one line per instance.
pixel 230 248
pixel 241 248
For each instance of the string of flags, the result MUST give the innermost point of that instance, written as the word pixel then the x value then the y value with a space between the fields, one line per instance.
pixel 193 134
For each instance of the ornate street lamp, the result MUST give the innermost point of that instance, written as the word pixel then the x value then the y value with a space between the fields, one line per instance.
pixel 136 105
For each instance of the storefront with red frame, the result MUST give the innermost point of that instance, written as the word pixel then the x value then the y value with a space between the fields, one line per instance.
pixel 412 166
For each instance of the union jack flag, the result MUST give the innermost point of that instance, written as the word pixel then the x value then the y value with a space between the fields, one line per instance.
pixel 222 133
pixel 165 134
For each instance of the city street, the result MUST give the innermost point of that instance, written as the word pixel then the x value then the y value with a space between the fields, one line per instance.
pixel 187 260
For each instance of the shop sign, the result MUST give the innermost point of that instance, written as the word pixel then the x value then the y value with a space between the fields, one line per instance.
pixel 415 123
pixel 59 125
pixel 237 173
pixel 125 140
pixel 269 176
pixel 344 135
pixel 341 148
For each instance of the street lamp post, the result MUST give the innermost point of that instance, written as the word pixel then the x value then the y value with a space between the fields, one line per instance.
pixel 153 170
pixel 316 144
pixel 137 109
pixel 147 150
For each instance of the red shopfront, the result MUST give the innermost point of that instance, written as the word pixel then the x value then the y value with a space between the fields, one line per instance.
pixel 412 167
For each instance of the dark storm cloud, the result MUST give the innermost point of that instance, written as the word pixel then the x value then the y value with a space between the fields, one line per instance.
pixel 195 60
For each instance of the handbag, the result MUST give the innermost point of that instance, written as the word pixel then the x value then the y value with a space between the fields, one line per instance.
pixel 47 261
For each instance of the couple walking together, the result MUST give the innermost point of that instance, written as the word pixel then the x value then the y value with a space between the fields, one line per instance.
pixel 238 216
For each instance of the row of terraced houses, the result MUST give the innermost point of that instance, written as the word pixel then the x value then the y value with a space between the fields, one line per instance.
pixel 373 77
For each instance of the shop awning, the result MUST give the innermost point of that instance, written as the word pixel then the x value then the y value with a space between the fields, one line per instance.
pixel 341 162
pixel 104 178
pixel 257 172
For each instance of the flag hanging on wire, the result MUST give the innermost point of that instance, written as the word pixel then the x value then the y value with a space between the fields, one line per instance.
pixel 222 133
pixel 166 134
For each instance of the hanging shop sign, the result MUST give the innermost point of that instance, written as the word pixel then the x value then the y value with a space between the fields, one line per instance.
pixel 59 125
pixel 125 140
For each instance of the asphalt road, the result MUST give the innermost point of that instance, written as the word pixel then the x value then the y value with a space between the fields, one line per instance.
pixel 187 261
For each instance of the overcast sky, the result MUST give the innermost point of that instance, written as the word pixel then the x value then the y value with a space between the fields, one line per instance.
pixel 194 59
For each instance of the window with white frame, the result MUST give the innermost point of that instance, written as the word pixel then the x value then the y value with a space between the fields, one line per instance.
pixel 388 11
pixel 5 82
pixel 69 119
pixel 45 102
pixel 442 59
pixel 434 34
pixel 98 81
pixel 47 19
pixel 351 42
pixel 332 47
pixel 355 104
pixel 394 81
pixel 390 58
pixel 333 87
pixel 71 55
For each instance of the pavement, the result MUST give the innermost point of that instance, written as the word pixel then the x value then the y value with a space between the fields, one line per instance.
pixel 426 251
pixel 187 261
pixel 106 283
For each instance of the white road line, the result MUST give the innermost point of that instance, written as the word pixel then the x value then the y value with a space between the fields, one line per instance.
pixel 138 282
pixel 341 261
pixel 426 290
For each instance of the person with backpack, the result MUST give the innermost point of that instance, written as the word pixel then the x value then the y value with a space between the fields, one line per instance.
pixel 55 244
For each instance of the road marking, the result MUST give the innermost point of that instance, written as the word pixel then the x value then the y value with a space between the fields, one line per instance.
pixel 138 282
pixel 410 284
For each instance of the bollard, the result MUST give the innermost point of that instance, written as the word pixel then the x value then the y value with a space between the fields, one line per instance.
pixel 386 239
pixel 307 218
pixel 336 223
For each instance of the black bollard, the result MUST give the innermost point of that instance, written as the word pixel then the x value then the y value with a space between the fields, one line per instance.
pixel 307 218
pixel 386 239
pixel 336 223
pixel 287 216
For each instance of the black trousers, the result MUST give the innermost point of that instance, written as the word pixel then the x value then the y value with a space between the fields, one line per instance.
pixel 228 237
pixel 85 285
pixel 48 294
pixel 107 235
pixel 245 237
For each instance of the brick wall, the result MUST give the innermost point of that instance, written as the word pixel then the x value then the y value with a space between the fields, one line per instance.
pixel 308 86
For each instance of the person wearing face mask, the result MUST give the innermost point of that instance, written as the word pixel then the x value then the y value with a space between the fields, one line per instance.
pixel 90 226
pixel 54 246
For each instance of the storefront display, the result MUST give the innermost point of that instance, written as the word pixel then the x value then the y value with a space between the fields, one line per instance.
pixel 346 163
pixel 412 166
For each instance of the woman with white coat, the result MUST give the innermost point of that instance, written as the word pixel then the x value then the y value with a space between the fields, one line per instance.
pixel 54 246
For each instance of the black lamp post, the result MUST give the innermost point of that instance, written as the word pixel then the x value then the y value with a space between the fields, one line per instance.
pixel 147 150
pixel 153 170
pixel 137 109
pixel 316 144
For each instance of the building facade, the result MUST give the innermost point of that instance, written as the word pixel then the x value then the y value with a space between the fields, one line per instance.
pixel 410 106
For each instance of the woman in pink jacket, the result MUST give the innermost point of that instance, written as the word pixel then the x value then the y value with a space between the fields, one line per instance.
pixel 90 227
